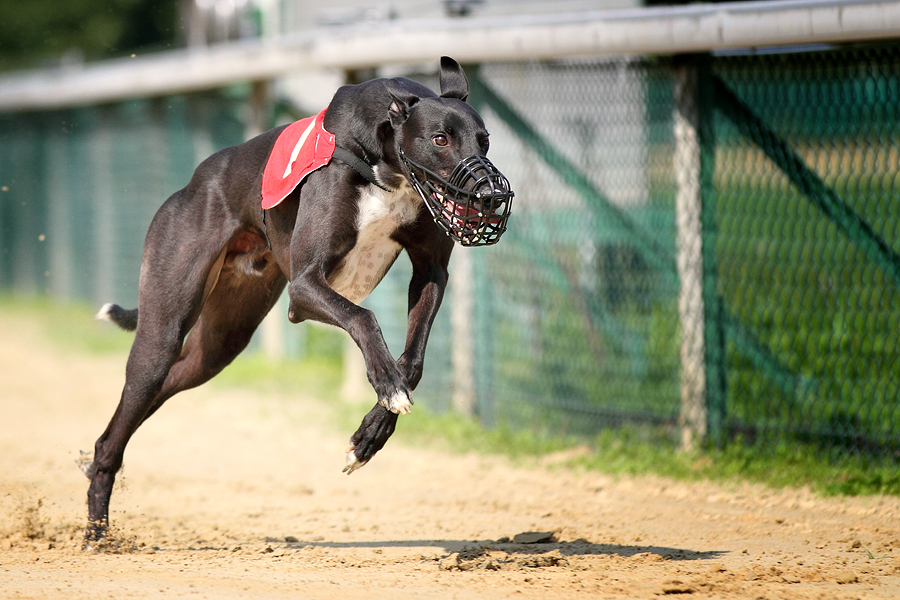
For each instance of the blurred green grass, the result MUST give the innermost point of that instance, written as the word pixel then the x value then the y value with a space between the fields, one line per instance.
pixel 70 326
pixel 619 452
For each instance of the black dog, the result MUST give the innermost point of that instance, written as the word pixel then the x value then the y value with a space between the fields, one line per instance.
pixel 215 262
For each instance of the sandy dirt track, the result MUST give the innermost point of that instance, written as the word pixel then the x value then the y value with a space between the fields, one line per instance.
pixel 232 494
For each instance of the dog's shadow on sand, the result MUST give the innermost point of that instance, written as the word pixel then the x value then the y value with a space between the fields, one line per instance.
pixel 578 547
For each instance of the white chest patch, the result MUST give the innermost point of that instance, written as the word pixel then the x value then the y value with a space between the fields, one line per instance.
pixel 380 214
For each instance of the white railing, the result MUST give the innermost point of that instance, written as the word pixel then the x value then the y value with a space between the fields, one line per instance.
pixel 650 31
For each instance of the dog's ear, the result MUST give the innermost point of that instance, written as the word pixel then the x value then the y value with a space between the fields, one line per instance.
pixel 401 104
pixel 453 80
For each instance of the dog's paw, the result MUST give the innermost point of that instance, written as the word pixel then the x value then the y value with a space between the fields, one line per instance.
pixel 102 545
pixel 353 463
pixel 399 404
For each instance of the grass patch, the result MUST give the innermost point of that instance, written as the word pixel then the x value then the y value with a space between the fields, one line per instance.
pixel 625 451
pixel 70 326
pixel 636 451
pixel 316 376
pixel 462 434
pixel 628 451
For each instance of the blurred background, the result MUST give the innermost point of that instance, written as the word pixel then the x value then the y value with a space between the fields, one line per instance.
pixel 705 245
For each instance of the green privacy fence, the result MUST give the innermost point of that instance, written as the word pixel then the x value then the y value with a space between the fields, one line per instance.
pixel 702 246
pixel 574 314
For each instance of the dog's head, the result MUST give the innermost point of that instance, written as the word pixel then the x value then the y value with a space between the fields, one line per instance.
pixel 442 143
pixel 436 143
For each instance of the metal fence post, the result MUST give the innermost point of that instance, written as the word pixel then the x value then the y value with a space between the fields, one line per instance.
pixel 699 310
pixel 462 354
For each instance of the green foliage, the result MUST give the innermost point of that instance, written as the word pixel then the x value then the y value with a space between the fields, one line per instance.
pixel 592 330
pixel 825 310
pixel 641 451
pixel 36 30
pixel 318 374
pixel 622 451
pixel 461 434
pixel 71 326
pixel 631 451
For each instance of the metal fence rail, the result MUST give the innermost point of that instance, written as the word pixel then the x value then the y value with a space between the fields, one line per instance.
pixel 703 245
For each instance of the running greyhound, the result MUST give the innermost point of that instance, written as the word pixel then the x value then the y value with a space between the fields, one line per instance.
pixel 323 206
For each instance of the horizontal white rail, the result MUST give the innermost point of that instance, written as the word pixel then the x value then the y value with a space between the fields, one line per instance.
pixel 650 31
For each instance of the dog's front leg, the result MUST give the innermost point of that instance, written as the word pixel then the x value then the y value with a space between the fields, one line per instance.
pixel 325 232
pixel 312 298
pixel 426 290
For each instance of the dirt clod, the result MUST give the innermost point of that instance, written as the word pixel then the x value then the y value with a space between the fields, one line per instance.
pixel 534 537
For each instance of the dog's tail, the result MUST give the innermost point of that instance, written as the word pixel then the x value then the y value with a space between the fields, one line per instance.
pixel 126 319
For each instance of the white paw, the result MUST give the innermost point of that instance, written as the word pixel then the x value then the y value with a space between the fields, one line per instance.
pixel 353 463
pixel 400 404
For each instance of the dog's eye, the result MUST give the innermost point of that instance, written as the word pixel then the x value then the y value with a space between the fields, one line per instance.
pixel 440 140
pixel 485 144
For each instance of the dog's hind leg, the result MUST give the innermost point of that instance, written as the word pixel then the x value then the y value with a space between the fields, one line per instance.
pixel 152 355
pixel 178 271
pixel 231 312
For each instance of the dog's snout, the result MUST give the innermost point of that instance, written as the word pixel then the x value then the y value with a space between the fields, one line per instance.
pixel 472 205
pixel 489 184
pixel 478 176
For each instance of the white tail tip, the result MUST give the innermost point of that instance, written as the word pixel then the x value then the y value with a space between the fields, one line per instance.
pixel 104 314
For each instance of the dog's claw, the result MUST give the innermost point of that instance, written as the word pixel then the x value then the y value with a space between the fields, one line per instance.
pixel 353 463
pixel 399 404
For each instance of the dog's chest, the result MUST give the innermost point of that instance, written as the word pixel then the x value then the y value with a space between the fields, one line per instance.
pixel 380 214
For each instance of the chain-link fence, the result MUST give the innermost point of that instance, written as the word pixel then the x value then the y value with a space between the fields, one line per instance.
pixel 807 212
pixel 78 188
pixel 708 245
pixel 705 246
